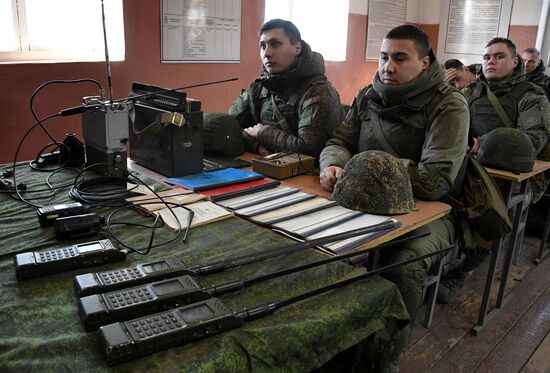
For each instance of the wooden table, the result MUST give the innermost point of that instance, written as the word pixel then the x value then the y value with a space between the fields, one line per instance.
pixel 425 211
pixel 513 201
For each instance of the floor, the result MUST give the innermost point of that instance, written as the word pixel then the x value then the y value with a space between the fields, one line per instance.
pixel 517 339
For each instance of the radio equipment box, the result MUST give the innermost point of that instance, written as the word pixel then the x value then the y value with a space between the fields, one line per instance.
pixel 283 165
pixel 105 131
pixel 173 148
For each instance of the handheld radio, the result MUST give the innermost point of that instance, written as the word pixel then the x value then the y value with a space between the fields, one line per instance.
pixel 41 263
pixel 124 341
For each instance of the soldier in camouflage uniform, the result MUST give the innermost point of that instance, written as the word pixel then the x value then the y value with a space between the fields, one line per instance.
pixel 411 112
pixel 291 106
pixel 523 103
pixel 458 75
pixel 534 69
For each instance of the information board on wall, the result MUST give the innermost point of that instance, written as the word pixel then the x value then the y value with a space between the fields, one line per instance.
pixel 383 15
pixel 201 31
pixel 467 26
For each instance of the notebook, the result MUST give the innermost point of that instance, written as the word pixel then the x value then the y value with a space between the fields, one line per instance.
pixel 214 179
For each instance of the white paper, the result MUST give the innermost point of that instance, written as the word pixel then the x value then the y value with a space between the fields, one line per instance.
pixel 204 212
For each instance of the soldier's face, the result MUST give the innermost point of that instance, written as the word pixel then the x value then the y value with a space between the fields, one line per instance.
pixel 531 61
pixel 400 61
pixel 498 62
pixel 277 52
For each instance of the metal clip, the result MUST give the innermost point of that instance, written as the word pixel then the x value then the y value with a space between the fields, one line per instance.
pixel 178 119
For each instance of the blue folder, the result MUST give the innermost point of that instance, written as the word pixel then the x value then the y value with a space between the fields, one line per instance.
pixel 214 179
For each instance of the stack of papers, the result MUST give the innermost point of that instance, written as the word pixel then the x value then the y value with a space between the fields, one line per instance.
pixel 304 216
pixel 203 213
pixel 149 203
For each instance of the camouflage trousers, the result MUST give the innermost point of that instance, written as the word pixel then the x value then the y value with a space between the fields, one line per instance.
pixel 411 278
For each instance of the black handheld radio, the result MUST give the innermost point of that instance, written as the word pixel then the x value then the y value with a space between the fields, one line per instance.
pixel 48 214
pixel 41 263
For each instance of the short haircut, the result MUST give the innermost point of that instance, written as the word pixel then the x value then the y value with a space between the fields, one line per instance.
pixel 533 50
pixel 411 32
pixel 454 64
pixel 509 43
pixel 291 31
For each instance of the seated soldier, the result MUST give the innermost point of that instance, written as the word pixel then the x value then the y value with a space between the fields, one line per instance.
pixel 291 106
pixel 409 111
pixel 534 69
pixel 458 75
pixel 501 97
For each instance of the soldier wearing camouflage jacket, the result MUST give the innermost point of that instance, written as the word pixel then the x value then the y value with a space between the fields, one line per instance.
pixel 524 103
pixel 424 122
pixel 288 108
pixel 534 70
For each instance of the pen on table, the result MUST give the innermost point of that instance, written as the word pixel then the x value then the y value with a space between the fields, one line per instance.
pixel 191 214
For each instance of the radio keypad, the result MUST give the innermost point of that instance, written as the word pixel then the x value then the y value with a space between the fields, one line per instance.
pixel 50 255
pixel 120 275
pixel 152 326
pixel 129 297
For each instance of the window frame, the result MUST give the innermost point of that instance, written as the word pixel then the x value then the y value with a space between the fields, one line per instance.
pixel 23 54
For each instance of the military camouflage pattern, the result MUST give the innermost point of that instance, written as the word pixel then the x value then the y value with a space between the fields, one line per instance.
pixel 375 182
pixel 530 112
pixel 539 78
pixel 222 135
pixel 41 330
pixel 308 103
pixel 426 122
pixel 507 149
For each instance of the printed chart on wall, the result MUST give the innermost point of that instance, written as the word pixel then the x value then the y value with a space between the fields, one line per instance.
pixel 383 15
pixel 467 26
pixel 196 31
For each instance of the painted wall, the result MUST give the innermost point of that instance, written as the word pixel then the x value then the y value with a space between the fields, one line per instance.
pixel 142 63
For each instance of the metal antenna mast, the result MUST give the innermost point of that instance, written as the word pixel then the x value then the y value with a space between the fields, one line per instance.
pixel 107 62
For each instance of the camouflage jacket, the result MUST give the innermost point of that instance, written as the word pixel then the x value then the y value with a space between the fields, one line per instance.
pixel 425 121
pixel 308 107
pixel 539 78
pixel 525 104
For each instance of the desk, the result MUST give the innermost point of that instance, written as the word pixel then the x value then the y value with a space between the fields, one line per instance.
pixel 515 202
pixel 425 211
pixel 41 330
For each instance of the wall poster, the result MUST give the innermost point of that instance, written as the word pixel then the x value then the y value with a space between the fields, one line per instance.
pixel 467 25
pixel 200 31
pixel 383 15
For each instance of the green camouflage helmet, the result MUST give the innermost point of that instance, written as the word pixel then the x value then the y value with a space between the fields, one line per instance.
pixel 507 149
pixel 222 135
pixel 375 182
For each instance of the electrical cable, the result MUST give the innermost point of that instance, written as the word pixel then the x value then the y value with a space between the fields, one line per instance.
pixel 75 192
pixel 57 81
pixel 145 251
pixel 15 185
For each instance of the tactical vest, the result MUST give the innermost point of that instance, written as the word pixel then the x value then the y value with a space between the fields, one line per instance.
pixel 483 116
pixel 404 127
pixel 262 106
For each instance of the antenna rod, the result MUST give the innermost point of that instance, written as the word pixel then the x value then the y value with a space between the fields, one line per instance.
pixel 175 89
pixel 107 62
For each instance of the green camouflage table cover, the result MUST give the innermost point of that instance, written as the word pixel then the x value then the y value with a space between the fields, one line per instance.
pixel 40 330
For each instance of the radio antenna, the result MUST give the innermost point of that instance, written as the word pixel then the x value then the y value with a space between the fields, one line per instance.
pixel 107 62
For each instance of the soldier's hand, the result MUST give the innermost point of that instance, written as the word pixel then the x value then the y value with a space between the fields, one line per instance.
pixel 263 151
pixel 450 75
pixel 253 131
pixel 329 176
pixel 475 147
